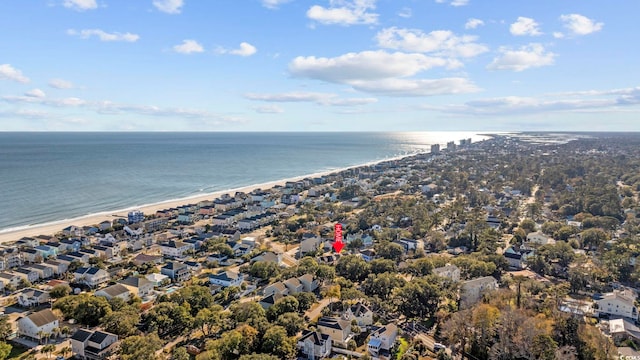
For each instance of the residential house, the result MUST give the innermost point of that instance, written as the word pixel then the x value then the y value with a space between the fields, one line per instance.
pixel 268 257
pixel 10 278
pixel 226 278
pixel 70 245
pixel 367 254
pixel 276 288
pixel 157 279
pixel 46 251
pixel 10 258
pixel 27 274
pixel 217 258
pixel 359 312
pixel 309 282
pixel 141 259
pixel 309 243
pixel 58 267
pixel 294 285
pixel 472 290
pixel 175 249
pixel 176 271
pixel 623 329
pixel 138 286
pixel 80 256
pixel 517 256
pixel 115 291
pixel 35 325
pixel 619 303
pixel 104 225
pixel 451 272
pixel 193 266
pixel 382 339
pixel 338 330
pixel 31 297
pixel 314 345
pixel 268 300
pixel 93 345
pixel 539 238
pixel 91 276
pixel 31 255
pixel 44 272
pixel 27 242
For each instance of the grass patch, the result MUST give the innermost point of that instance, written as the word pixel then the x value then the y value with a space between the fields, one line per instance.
pixel 402 348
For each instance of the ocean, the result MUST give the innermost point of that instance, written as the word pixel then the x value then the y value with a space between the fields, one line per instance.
pixel 54 176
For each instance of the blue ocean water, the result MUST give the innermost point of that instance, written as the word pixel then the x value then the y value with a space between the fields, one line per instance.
pixel 46 177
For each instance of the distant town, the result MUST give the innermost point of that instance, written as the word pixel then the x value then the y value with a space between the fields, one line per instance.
pixel 516 247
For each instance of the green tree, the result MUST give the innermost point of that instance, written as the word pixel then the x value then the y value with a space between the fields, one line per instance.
pixel 276 342
pixel 389 250
pixel 198 297
pixel 180 353
pixel 353 267
pixel 264 270
pixel 5 350
pixel 379 266
pixel 48 349
pixel 122 322
pixel 291 322
pixel 305 300
pixel 167 319
pixel 59 291
pixel 5 327
pixel 285 305
pixel 382 285
pixel 210 319
pixel 139 347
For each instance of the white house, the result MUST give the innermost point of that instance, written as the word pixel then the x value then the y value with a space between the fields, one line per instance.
pixel 86 344
pixel 138 286
pixel 226 278
pixel 359 312
pixel 32 297
pixel 382 339
pixel 34 325
pixel 472 290
pixel 91 276
pixel 157 279
pixel 338 330
pixel 114 291
pixel 540 238
pixel 175 249
pixel 617 303
pixel 314 345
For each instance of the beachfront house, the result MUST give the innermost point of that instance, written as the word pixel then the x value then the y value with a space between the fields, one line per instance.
pixel 34 326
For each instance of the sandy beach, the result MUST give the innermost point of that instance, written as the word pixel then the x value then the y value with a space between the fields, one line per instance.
pixel 94 219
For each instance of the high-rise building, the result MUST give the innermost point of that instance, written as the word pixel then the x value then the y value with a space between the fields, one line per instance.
pixel 435 148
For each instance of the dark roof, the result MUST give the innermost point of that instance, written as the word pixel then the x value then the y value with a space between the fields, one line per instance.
pixel 172 265
pixel 315 337
pixel 333 323
pixel 81 335
pixel 135 281
pixel 98 337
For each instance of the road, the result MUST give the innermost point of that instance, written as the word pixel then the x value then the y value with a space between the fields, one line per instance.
pixel 316 310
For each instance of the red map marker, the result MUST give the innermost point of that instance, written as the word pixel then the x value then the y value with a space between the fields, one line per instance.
pixel 337 237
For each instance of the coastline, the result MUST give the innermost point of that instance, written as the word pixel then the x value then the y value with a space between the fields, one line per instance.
pixel 51 228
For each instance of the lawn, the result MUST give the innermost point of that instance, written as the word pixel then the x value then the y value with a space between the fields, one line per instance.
pixel 402 348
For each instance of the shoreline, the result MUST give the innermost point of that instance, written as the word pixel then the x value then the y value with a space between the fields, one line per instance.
pixel 54 227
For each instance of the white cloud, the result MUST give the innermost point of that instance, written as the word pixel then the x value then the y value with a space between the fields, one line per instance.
pixel 558 35
pixel 580 25
pixel 169 6
pixel 60 84
pixel 344 12
pixel 616 100
pixel 405 12
pixel 529 56
pixel 37 93
pixel 366 65
pixel 188 47
pixel 80 5
pixel 112 108
pixel 473 23
pixel 439 42
pixel 268 109
pixel 273 4
pixel 454 2
pixel 245 49
pixel 8 72
pixel 417 87
pixel 324 99
pixel 103 35
pixel 525 26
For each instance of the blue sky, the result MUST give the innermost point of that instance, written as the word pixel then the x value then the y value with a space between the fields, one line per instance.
pixel 319 65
